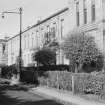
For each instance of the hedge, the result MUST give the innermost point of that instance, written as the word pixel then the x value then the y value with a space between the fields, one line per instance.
pixel 29 74
pixel 48 68
pixel 53 67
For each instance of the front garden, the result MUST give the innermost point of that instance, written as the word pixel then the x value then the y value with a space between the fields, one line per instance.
pixel 84 75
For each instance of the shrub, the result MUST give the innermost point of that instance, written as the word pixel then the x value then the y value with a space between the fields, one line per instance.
pixel 54 68
pixel 49 68
pixel 84 83
pixel 81 49
pixel 7 71
pixel 29 74
pixel 44 56
pixel 57 79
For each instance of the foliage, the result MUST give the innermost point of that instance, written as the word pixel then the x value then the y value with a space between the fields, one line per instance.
pixel 7 71
pixel 94 66
pixel 54 68
pixel 44 57
pixel 48 68
pixel 81 49
pixel 84 82
pixel 57 79
pixel 91 83
pixel 29 74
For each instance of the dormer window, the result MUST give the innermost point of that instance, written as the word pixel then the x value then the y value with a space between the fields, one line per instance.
pixel 3 48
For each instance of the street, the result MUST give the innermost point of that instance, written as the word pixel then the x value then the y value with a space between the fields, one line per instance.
pixel 13 95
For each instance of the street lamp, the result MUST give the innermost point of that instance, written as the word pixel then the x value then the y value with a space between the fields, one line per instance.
pixel 20 51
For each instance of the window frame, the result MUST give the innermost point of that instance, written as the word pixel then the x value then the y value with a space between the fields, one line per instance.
pixel 77 14
pixel 93 11
pixel 85 11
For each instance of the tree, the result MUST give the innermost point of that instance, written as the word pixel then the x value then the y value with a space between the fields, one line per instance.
pixel 81 49
pixel 44 57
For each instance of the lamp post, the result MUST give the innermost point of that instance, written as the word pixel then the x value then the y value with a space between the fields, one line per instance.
pixel 20 50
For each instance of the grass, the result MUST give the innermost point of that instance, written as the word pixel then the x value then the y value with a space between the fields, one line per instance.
pixel 91 97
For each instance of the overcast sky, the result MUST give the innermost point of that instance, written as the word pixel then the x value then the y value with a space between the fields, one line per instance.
pixel 32 11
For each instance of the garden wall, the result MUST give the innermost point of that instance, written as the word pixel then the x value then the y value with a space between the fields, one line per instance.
pixel 83 82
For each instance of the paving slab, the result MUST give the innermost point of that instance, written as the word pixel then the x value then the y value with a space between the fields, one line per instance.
pixel 70 98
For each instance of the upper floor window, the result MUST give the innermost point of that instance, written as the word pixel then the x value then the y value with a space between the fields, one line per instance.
pixel 46 36
pixel 41 28
pixel 42 31
pixel 37 38
pixel 55 25
pixel 48 32
pixel 24 42
pixel 85 11
pixel 32 41
pixel 28 41
pixel 11 45
pixel 3 48
pixel 62 21
pixel 85 16
pixel 48 28
pixel 93 10
pixel 77 13
pixel 53 32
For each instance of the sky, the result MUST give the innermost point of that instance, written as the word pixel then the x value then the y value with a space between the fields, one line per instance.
pixel 32 11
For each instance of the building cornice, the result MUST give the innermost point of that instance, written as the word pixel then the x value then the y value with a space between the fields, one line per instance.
pixel 39 23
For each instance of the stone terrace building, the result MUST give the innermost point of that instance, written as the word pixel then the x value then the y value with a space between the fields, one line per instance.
pixel 86 16
pixel 50 29
pixel 3 52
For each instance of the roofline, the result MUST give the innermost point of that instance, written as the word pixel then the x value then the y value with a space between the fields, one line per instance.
pixel 53 15
pixel 3 40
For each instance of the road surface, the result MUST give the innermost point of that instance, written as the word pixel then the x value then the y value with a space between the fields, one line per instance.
pixel 13 95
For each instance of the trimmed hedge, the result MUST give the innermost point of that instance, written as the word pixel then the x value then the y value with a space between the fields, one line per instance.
pixel 48 68
pixel 29 74
pixel 54 68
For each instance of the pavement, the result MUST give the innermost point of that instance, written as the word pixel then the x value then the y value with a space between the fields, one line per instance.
pixel 69 97
pixel 63 96
pixel 15 95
